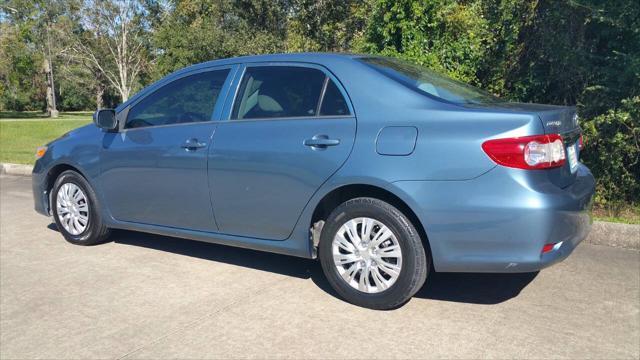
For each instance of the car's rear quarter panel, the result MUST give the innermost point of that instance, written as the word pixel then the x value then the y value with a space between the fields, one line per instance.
pixel 478 216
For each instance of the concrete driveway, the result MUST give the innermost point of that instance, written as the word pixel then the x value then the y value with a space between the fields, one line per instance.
pixel 145 296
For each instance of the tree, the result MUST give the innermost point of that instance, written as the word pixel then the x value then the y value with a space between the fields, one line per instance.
pixel 330 25
pixel 112 42
pixel 451 37
pixel 20 81
pixel 42 25
pixel 194 31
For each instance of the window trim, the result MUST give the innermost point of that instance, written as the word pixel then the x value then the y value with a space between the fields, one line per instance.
pixel 239 76
pixel 325 83
pixel 218 107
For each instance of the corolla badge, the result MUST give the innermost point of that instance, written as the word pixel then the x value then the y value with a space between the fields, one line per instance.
pixel 554 123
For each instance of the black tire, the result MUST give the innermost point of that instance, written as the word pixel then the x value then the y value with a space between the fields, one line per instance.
pixel 415 262
pixel 95 232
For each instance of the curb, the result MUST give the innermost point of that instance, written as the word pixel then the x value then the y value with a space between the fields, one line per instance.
pixel 615 235
pixel 15 169
pixel 602 233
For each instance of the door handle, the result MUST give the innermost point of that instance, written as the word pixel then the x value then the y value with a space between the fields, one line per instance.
pixel 193 144
pixel 321 142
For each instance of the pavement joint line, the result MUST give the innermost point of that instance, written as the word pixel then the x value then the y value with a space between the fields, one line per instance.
pixel 239 299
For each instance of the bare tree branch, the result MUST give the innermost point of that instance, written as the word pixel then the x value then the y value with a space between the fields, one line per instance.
pixel 112 43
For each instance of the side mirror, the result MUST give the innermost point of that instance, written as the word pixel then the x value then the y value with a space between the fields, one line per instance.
pixel 105 119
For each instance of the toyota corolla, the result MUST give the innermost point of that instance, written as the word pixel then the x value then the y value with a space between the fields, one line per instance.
pixel 383 170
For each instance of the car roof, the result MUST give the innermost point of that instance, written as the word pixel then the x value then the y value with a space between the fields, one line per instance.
pixel 308 57
pixel 303 56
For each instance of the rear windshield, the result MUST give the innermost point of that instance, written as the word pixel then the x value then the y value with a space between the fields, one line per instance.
pixel 429 82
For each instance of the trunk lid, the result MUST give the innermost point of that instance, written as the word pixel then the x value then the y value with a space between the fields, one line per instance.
pixel 555 119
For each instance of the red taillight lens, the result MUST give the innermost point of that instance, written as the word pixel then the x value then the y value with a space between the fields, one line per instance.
pixel 527 152
pixel 581 142
pixel 548 247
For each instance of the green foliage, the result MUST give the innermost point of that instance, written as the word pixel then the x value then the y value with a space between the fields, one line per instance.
pixel 325 25
pixel 200 30
pixel 451 37
pixel 21 86
pixel 613 154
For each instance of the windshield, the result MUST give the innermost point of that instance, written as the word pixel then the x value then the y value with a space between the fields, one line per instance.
pixel 429 82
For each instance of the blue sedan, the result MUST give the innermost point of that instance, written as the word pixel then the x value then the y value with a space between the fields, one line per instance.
pixel 382 169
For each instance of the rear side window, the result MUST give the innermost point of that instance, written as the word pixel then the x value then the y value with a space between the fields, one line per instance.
pixel 186 100
pixel 333 102
pixel 429 82
pixel 286 91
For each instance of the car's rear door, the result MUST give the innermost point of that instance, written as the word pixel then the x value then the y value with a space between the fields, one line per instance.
pixel 290 128
pixel 154 170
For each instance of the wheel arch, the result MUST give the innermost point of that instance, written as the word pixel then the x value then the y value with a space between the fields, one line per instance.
pixel 340 194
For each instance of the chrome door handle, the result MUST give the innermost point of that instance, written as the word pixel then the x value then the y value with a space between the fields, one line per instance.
pixel 321 142
pixel 193 144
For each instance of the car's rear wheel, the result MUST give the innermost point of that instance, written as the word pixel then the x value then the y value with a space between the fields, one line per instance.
pixel 75 210
pixel 372 255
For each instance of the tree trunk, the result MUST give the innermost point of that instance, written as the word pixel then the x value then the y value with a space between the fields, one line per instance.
pixel 124 94
pixel 99 94
pixel 51 92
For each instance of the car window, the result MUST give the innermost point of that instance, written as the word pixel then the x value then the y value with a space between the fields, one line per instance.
pixel 333 103
pixel 429 82
pixel 186 100
pixel 278 91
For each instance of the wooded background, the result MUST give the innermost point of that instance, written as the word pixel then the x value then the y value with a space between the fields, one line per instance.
pixel 91 53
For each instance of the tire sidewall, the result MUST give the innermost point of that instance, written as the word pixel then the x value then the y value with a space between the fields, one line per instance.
pixel 408 239
pixel 94 223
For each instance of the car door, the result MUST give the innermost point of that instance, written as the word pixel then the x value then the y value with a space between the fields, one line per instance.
pixel 154 170
pixel 289 129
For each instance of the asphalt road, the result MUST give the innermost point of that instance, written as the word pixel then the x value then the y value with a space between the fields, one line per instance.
pixel 145 296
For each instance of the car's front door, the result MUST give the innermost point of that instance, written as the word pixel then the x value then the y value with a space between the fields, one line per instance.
pixel 289 129
pixel 154 170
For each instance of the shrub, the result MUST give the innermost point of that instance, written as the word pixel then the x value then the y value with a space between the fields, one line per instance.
pixel 612 153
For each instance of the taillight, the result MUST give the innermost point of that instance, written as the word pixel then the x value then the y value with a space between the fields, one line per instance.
pixel 527 152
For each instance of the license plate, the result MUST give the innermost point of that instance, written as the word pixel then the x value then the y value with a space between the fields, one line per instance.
pixel 572 154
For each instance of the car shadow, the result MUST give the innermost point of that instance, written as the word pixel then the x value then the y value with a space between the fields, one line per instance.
pixel 470 288
pixel 474 288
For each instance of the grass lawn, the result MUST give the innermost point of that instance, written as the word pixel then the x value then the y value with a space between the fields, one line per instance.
pixel 628 215
pixel 22 133
pixel 34 115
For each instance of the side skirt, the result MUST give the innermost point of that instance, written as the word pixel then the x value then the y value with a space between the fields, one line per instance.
pixel 291 246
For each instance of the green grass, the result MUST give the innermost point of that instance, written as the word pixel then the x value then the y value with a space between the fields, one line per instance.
pixel 33 115
pixel 629 214
pixel 20 138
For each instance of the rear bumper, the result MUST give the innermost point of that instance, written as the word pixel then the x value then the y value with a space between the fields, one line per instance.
pixel 500 221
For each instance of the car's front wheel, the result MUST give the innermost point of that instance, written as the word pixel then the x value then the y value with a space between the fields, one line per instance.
pixel 75 210
pixel 372 254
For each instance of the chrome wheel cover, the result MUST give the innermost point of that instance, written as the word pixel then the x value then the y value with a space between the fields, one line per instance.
pixel 72 208
pixel 367 255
